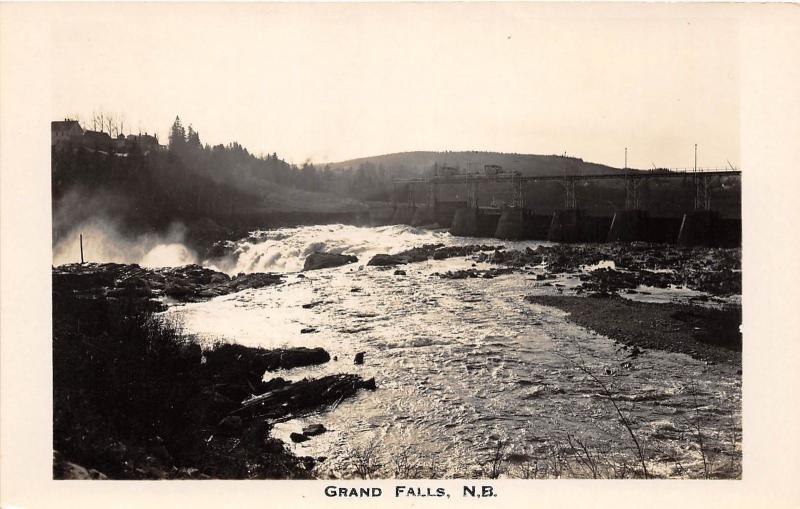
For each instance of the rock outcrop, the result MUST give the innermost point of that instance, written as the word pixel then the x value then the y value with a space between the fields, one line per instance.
pixel 316 261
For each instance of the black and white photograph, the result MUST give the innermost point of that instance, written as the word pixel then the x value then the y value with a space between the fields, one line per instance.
pixel 408 251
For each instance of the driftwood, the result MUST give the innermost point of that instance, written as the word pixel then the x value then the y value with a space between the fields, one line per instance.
pixel 303 396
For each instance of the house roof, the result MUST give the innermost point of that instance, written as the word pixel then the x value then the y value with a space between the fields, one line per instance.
pixel 64 125
pixel 97 136
pixel 142 138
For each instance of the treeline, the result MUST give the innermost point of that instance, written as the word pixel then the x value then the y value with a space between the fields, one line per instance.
pixel 235 164
pixel 189 181
pixel 143 191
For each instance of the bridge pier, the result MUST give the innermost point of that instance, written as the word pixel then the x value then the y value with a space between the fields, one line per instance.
pixel 474 222
pixel 465 222
pixel 565 226
pixel 662 230
pixel 423 215
pixel 629 225
pixel 698 228
pixel 445 212
pixel 511 224
pixel 573 225
pixel 522 224
pixel 381 215
pixel 487 222
pixel 403 214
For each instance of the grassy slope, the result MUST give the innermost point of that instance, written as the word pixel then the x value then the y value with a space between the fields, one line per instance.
pixel 286 199
pixel 528 164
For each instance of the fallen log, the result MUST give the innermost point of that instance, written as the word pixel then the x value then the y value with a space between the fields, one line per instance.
pixel 303 396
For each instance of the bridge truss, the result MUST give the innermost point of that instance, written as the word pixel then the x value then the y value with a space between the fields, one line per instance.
pixel 702 179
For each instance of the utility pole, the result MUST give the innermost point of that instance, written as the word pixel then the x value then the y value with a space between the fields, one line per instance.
pixel 81 237
pixel 626 158
pixel 702 198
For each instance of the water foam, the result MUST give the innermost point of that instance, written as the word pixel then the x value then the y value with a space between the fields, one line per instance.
pixel 285 249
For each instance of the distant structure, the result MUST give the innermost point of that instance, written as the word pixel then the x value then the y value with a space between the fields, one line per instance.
pixel 447 171
pixel 69 133
pixel 492 169
pixel 145 142
pixel 64 131
pixel 97 140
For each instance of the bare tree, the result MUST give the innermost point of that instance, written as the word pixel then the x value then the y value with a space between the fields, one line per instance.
pixel 696 424
pixel 583 455
pixel 364 459
pixel 496 461
pixel 403 466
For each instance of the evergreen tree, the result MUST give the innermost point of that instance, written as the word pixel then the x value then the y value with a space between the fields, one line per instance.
pixel 177 136
pixel 193 139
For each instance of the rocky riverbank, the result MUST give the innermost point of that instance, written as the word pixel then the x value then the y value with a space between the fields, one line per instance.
pixel 704 333
pixel 134 398
pixel 605 272
pixel 189 283
pixel 714 271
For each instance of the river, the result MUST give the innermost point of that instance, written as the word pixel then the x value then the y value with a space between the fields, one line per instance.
pixel 473 381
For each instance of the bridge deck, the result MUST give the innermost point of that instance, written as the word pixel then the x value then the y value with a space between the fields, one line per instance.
pixel 508 177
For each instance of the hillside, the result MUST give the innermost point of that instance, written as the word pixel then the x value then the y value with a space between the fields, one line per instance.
pixel 422 162
pixel 371 178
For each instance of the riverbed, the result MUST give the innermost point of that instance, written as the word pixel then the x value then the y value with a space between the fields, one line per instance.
pixel 473 380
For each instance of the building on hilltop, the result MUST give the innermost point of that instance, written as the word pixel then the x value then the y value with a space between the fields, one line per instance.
pixel 68 132
pixel 120 144
pixel 65 131
pixel 97 140
pixel 145 142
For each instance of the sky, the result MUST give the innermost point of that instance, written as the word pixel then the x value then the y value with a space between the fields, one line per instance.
pixel 329 82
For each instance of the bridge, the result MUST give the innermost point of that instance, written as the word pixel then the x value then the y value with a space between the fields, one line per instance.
pixel 514 221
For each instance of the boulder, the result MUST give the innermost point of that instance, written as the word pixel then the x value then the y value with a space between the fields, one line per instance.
pixel 73 471
pixel 316 261
pixel 292 358
pixel 385 260
pixel 399 272
pixel 233 361
pixel 359 359
pixel 314 430
pixel 298 437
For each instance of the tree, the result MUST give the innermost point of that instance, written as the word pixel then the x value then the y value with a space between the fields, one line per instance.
pixel 177 136
pixel 193 139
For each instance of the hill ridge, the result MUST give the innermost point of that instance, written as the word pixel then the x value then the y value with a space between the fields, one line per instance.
pixel 422 162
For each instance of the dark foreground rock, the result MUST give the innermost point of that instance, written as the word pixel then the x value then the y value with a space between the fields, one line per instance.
pixel 260 360
pixel 427 252
pixel 239 369
pixel 475 273
pixel 302 396
pixel 704 333
pixel 314 430
pixel 298 437
pixel 386 260
pixel 133 398
pixel 190 283
pixel 316 261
